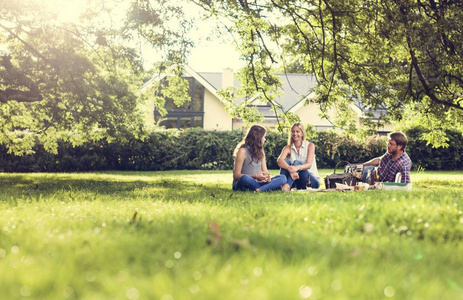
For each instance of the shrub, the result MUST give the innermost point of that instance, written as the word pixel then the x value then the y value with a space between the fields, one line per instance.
pixel 201 149
pixel 332 148
pixel 423 155
pixel 274 143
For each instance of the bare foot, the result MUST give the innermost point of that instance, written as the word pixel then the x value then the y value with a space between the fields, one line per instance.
pixel 285 187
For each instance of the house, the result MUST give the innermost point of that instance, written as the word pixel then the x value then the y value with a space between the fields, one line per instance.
pixel 206 110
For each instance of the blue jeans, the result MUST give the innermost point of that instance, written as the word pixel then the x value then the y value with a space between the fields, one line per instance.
pixel 365 173
pixel 246 183
pixel 304 175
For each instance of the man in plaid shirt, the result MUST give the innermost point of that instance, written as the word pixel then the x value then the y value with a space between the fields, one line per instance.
pixel 394 161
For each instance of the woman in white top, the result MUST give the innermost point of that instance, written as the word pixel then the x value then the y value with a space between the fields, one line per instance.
pixel 301 167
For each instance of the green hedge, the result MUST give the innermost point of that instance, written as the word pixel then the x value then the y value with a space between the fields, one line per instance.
pixel 200 149
pixel 450 158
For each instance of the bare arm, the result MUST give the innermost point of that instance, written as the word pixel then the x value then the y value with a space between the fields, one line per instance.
pixel 310 157
pixel 375 161
pixel 264 169
pixel 284 165
pixel 281 160
pixel 239 161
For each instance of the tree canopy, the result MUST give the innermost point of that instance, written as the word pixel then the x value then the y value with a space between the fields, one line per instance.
pixel 77 80
pixel 403 56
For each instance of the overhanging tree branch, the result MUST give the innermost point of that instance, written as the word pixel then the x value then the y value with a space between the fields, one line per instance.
pixel 428 91
pixel 29 46
pixel 32 93
pixel 20 96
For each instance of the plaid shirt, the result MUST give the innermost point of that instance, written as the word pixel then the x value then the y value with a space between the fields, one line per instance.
pixel 388 167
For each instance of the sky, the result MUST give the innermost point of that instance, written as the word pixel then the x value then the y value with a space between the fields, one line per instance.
pixel 217 53
pixel 213 51
pixel 213 56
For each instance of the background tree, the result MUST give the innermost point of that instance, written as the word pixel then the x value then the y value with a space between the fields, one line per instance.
pixel 76 79
pixel 403 56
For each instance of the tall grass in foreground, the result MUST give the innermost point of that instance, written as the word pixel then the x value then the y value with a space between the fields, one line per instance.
pixel 186 235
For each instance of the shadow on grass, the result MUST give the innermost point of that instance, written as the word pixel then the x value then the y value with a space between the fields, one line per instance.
pixel 168 189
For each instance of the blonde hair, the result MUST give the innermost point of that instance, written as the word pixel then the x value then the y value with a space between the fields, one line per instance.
pixel 301 127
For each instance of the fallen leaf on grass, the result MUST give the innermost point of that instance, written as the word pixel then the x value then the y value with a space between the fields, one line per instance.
pixel 217 241
pixel 355 253
pixel 217 238
pixel 134 217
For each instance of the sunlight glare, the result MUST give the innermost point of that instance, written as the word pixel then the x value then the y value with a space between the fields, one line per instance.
pixel 305 292
pixel 389 291
pixel 133 293
pixel 67 11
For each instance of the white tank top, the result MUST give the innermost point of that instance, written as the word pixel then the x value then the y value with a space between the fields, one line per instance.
pixel 302 157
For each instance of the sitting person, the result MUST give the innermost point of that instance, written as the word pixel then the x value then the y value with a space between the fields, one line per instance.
pixel 394 161
pixel 250 169
pixel 301 166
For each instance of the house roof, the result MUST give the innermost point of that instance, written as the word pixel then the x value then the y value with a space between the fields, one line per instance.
pixel 294 88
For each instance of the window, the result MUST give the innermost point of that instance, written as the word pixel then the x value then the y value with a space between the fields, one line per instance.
pixel 190 114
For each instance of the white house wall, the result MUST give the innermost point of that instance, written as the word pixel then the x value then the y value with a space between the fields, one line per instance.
pixel 148 110
pixel 215 115
pixel 309 114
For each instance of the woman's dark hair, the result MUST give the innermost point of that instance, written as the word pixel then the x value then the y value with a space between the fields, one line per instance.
pixel 253 141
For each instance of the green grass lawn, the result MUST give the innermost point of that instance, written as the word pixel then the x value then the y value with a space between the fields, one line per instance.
pixel 186 235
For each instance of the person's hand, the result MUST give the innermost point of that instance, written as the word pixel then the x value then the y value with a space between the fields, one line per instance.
pixel 294 175
pixel 292 169
pixel 267 176
pixel 261 177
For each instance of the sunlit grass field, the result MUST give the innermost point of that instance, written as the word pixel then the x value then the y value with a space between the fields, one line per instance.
pixel 186 235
